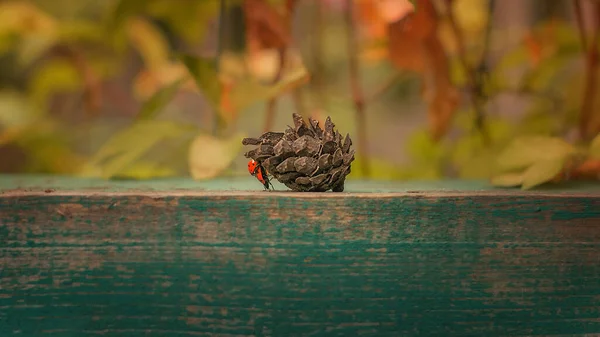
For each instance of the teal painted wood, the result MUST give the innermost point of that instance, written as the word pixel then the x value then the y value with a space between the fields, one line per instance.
pixel 114 259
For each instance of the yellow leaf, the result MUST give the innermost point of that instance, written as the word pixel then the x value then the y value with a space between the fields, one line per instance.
pixel 158 101
pixel 264 64
pixel 542 172
pixel 187 19
pixel 54 76
pixel 508 180
pixel 126 147
pixel 209 156
pixel 526 151
pixel 423 149
pixel 243 92
pixel 380 169
pixel 149 42
pixel 32 48
pixel 477 166
pixel 204 74
pixel 148 82
pixel 471 15
pixel 232 67
pixel 249 91
pixel 36 31
pixel 145 170
pixel 595 147
pixel 16 110
pixel 81 30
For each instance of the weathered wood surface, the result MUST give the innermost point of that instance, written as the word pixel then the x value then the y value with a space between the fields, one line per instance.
pixel 181 258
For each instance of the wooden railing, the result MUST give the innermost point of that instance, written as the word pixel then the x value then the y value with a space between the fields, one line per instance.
pixel 223 258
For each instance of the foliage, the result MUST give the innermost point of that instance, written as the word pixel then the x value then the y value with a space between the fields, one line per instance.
pixel 104 88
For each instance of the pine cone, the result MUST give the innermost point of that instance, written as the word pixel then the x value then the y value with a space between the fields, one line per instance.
pixel 305 158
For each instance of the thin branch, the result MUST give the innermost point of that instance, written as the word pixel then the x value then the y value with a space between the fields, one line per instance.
pixel 580 24
pixel 474 82
pixel 357 93
pixel 591 58
pixel 488 30
pixel 221 34
pixel 318 76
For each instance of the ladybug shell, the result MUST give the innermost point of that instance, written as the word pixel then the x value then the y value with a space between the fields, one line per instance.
pixel 260 177
pixel 252 166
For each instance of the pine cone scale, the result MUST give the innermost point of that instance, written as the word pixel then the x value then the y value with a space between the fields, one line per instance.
pixel 305 157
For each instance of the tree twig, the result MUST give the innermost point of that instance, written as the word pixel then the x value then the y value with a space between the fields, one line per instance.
pixel 580 24
pixel 591 62
pixel 221 34
pixel 357 93
pixel 474 82
pixel 318 77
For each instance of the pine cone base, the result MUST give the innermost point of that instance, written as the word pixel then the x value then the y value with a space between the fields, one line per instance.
pixel 305 158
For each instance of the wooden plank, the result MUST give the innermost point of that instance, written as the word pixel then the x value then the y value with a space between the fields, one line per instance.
pixel 96 258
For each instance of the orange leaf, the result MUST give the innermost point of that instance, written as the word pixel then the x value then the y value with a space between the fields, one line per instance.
pixel 265 27
pixel 375 15
pixel 394 10
pixel 442 96
pixel 534 49
pixel 368 15
pixel 407 37
pixel 588 169
pixel 228 111
pixel 414 45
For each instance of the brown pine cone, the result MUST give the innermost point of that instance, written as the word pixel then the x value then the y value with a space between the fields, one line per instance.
pixel 305 158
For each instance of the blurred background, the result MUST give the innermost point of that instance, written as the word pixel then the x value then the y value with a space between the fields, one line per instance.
pixel 428 89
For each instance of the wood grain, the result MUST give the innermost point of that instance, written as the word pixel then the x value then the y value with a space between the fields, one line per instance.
pixel 121 261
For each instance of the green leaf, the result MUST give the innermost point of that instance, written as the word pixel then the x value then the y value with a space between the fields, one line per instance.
pixel 526 151
pixel 126 147
pixel 595 147
pixel 187 19
pixel 145 170
pixel 248 91
pixel 245 90
pixel 381 169
pixel 478 166
pixel 158 101
pixel 423 149
pixel 81 31
pixel 54 76
pixel 542 172
pixel 547 73
pixel 508 180
pixel 125 9
pixel 517 57
pixel 16 110
pixel 150 42
pixel 204 74
pixel 33 48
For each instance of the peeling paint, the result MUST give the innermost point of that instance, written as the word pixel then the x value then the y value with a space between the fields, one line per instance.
pixel 283 265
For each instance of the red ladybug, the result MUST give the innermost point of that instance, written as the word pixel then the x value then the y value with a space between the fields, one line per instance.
pixel 257 170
